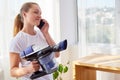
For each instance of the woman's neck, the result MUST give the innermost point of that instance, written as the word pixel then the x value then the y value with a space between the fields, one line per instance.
pixel 29 29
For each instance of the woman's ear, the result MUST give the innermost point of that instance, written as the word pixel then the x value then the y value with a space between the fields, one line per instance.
pixel 24 14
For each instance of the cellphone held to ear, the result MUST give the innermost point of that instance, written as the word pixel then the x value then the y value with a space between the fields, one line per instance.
pixel 41 24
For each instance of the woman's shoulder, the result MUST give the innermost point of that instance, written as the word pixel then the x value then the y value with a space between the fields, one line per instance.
pixel 18 38
pixel 18 41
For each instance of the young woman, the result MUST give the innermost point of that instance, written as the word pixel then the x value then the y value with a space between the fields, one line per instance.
pixel 25 35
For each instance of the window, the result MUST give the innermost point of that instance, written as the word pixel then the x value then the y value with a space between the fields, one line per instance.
pixel 97 22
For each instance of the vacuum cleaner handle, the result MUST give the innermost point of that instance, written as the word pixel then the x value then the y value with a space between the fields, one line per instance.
pixel 37 74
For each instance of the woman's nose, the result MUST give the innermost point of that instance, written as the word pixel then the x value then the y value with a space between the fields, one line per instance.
pixel 39 16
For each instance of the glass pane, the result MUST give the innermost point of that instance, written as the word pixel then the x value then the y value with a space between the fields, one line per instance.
pixel 98 19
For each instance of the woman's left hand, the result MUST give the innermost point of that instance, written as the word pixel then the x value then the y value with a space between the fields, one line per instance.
pixel 45 27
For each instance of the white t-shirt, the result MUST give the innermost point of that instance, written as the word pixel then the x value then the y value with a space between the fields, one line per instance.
pixel 23 40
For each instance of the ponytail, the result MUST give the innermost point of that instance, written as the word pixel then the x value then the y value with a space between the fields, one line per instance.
pixel 18 25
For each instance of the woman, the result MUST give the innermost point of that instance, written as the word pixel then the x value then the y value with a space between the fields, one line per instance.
pixel 25 35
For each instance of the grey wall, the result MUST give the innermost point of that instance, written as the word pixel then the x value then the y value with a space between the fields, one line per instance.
pixel 68 21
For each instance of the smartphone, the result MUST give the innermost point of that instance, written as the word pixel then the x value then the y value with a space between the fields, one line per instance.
pixel 41 24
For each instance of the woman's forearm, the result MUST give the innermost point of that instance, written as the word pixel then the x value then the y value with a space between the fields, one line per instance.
pixel 49 39
pixel 18 72
pixel 51 42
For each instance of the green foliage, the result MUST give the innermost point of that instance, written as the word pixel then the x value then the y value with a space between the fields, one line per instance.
pixel 61 69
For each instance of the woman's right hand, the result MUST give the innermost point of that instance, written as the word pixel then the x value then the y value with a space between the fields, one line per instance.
pixel 33 66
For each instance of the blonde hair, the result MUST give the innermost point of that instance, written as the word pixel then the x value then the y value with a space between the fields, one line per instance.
pixel 18 22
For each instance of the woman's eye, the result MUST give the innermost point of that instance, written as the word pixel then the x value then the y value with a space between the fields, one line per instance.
pixel 36 12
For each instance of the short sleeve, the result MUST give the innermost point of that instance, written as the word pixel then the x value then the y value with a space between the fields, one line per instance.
pixel 15 46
